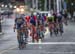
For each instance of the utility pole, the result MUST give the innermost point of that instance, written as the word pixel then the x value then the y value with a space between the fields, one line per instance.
pixel 36 4
pixel 33 5
pixel 60 6
pixel 57 5
pixel 54 5
pixel 49 5
pixel 45 6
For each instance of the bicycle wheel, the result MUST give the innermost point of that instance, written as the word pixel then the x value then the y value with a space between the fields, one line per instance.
pixel 21 41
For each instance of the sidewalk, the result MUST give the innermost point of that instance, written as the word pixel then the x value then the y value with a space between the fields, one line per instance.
pixel 2 21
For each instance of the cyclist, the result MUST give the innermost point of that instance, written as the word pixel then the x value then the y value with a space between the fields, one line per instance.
pixel 42 26
pixel 60 22
pixel 40 22
pixel 51 23
pixel 65 17
pixel 25 33
pixel 55 23
pixel 19 22
pixel 33 27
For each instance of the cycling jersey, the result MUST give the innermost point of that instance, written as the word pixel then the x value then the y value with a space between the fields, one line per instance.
pixel 51 19
pixel 32 21
pixel 55 17
pixel 35 18
pixel 59 17
pixel 27 18
pixel 19 22
pixel 44 18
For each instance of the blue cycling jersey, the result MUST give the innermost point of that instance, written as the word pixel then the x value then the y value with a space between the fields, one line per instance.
pixel 32 21
pixel 59 18
pixel 19 22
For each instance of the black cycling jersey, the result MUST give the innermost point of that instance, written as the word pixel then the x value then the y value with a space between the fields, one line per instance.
pixel 59 18
pixel 55 18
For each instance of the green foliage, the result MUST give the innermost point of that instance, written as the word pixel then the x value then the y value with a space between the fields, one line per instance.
pixel 41 2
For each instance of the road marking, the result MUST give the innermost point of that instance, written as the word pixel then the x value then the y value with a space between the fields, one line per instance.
pixel 48 43
pixel 57 52
pixel 40 43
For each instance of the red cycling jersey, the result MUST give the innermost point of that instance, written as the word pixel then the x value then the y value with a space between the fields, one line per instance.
pixel 27 18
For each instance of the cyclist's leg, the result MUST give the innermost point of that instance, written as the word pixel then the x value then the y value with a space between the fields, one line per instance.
pixel 36 37
pixel 31 34
pixel 19 38
pixel 22 39
pixel 61 28
pixel 38 34
pixel 26 36
pixel 50 29
pixel 55 29
pixel 25 39
pixel 18 35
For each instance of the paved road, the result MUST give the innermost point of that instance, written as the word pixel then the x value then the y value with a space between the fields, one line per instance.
pixel 8 42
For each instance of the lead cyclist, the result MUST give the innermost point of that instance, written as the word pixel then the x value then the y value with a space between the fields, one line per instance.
pixel 19 22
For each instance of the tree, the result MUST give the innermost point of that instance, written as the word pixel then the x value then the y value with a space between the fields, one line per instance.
pixel 70 6
pixel 41 4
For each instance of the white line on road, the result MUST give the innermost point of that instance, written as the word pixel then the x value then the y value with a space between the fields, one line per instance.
pixel 42 43
pixel 48 43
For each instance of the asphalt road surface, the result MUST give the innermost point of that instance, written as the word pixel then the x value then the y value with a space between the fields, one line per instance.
pixel 64 44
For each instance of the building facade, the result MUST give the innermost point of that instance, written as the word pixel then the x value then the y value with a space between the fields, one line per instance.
pixel 48 4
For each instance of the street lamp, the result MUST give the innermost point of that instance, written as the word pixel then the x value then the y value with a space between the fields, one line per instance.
pixel 5 6
pixel 20 10
pixel 17 10
pixel 15 7
pixel 2 5
pixel 11 6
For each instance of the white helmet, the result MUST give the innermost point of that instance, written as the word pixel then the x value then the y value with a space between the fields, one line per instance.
pixel 49 15
pixel 34 13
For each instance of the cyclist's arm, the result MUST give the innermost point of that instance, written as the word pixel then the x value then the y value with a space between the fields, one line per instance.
pixel 15 25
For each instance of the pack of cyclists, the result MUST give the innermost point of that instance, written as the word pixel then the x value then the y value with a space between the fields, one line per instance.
pixel 37 24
